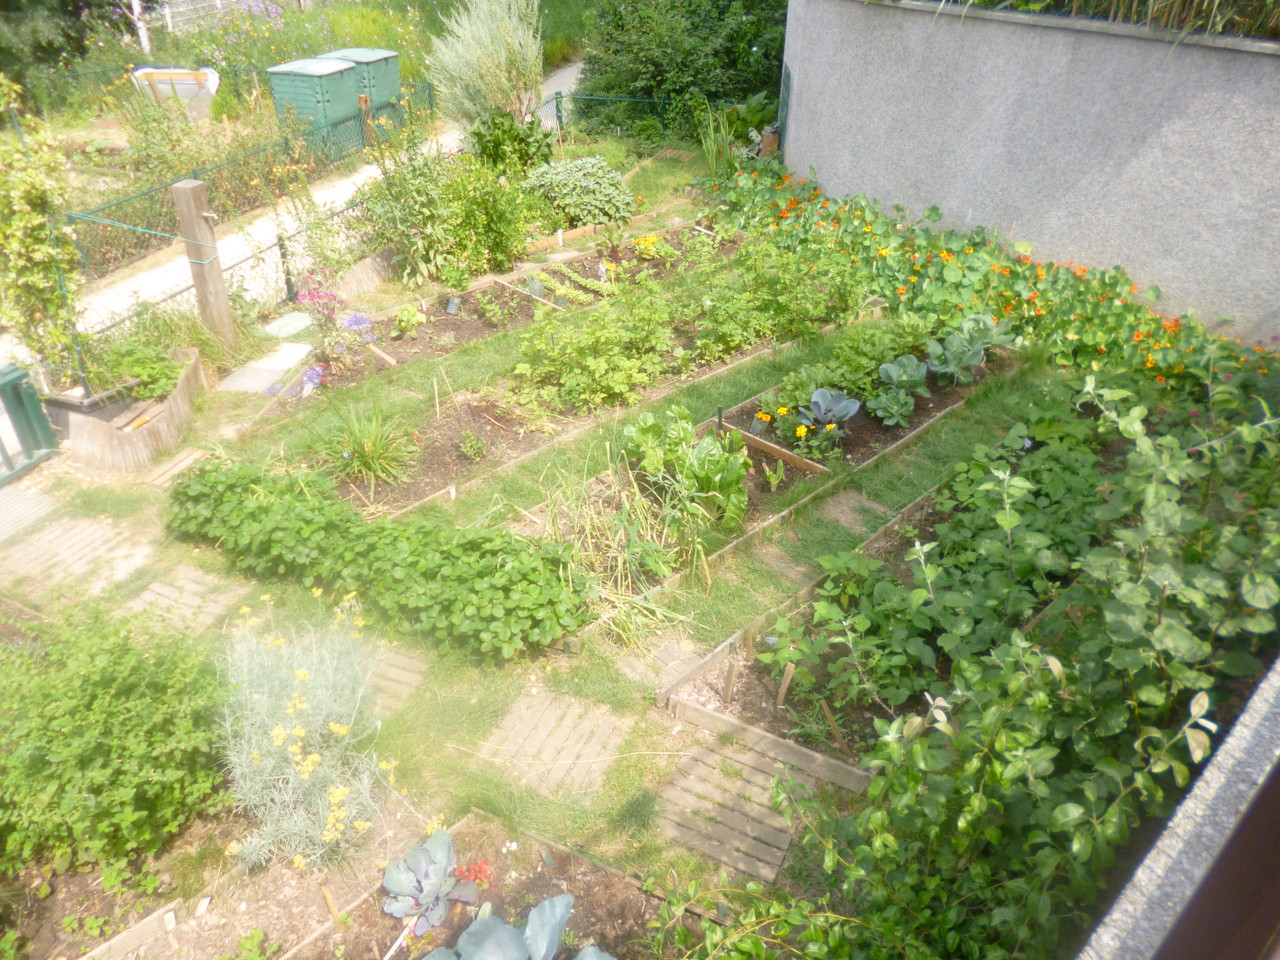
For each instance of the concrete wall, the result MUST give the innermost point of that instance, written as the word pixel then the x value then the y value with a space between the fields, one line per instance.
pixel 1098 143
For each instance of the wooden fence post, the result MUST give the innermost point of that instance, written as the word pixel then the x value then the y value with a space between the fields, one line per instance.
pixel 195 224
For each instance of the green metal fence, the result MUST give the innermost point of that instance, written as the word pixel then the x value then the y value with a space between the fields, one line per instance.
pixel 29 438
pixel 593 114
pixel 117 233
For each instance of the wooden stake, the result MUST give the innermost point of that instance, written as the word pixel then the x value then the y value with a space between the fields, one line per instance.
pixel 731 674
pixel 788 672
pixel 334 912
pixel 831 722
pixel 435 385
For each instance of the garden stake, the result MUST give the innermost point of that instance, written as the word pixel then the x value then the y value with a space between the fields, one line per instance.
pixel 730 676
pixel 435 385
pixel 787 673
pixel 831 722
pixel 333 907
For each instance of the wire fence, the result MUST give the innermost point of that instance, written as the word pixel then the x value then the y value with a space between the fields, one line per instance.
pixel 568 112
pixel 115 234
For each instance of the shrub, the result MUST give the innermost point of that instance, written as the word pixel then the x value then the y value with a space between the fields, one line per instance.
pixel 484 219
pixel 490 58
pixel 583 190
pixel 485 590
pixel 502 142
pixel 106 741
pixel 296 744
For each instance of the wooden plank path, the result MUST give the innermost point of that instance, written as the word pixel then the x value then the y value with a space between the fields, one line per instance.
pixel 554 743
pixel 719 803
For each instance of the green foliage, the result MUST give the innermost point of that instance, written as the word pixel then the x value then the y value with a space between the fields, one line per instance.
pixel 894 407
pixel 490 58
pixel 124 359
pixel 105 742
pixel 483 590
pixel 370 447
pixel 297 742
pixel 508 145
pixel 446 220
pixel 472 444
pixel 607 360
pixel 39 265
pixel 721 50
pixel 407 320
pixel 706 481
pixel 253 946
pixel 906 373
pixel 583 190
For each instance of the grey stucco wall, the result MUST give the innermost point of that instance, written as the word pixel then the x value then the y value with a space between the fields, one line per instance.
pixel 1096 143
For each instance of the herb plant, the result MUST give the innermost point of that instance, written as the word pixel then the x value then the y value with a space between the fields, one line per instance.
pixel 583 190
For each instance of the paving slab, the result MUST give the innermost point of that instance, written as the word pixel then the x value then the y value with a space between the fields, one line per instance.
pixel 718 802
pixel 20 507
pixel 89 555
pixel 288 325
pixel 188 597
pixel 555 743
pixel 674 655
pixel 396 674
pixel 265 372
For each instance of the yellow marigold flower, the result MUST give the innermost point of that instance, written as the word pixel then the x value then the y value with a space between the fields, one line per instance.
pixel 830 426
pixel 882 251
pixel 763 416
pixel 1151 361
pixel 801 430
pixel 782 411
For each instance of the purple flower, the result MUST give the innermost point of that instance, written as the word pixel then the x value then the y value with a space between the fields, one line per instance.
pixel 357 321
pixel 272 390
pixel 313 377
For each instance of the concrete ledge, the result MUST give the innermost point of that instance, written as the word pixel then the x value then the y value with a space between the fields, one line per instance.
pixel 1167 880
pixel 1060 21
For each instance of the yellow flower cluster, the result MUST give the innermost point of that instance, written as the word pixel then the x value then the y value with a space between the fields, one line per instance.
pixel 646 247
pixel 340 729
pixel 337 822
pixel 434 824
pixel 297 703
pixel 390 767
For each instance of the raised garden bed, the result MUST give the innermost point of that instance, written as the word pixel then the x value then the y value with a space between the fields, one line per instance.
pixel 114 432
pixel 341 915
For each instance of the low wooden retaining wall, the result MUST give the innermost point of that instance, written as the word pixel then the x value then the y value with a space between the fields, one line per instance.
pixel 129 441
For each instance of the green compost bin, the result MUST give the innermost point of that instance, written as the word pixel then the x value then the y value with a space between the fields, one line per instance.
pixel 377 72
pixel 324 91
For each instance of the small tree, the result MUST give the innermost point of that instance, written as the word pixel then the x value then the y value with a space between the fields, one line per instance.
pixel 39 265
pixel 490 58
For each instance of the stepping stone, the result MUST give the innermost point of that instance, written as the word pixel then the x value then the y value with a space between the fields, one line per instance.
pixel 20 507
pixel 554 743
pixel 845 508
pixel 89 554
pixel 676 655
pixel 164 474
pixel 718 803
pixel 396 674
pixel 273 369
pixel 797 572
pixel 188 597
pixel 288 325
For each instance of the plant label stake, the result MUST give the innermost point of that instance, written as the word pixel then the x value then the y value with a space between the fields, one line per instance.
pixel 831 722
pixel 787 673
pixel 730 675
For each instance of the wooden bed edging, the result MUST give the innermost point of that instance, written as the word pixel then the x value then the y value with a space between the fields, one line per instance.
pixel 824 768
pixel 129 442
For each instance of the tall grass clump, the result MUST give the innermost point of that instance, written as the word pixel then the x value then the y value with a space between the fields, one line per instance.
pixel 297 741
pixel 490 58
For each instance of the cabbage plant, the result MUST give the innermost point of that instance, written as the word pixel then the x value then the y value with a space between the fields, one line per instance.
pixel 422 884
pixel 489 938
